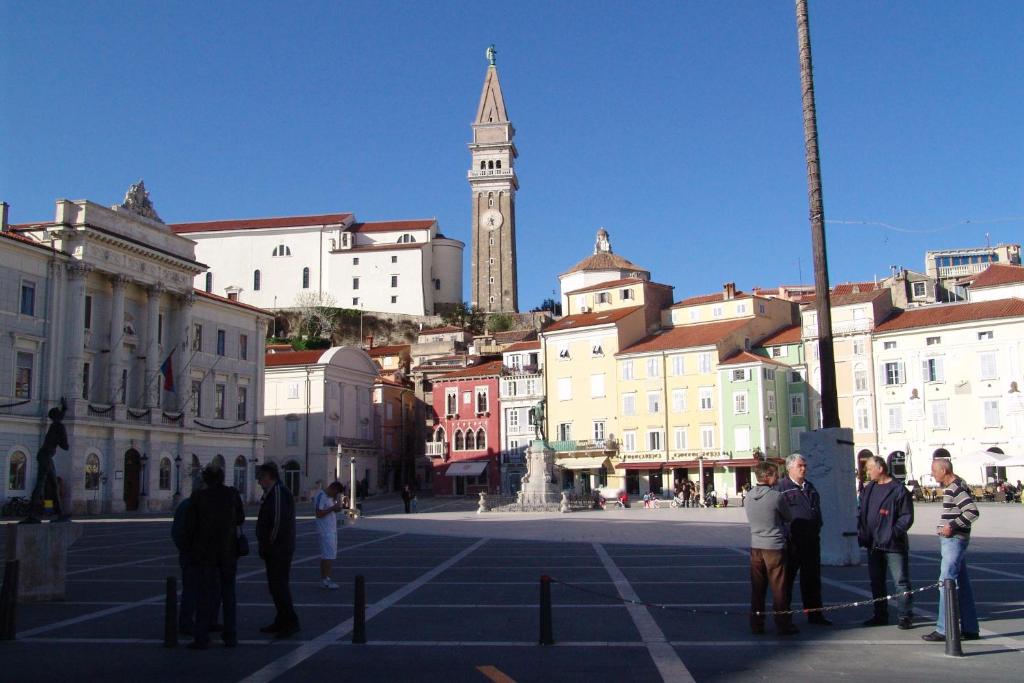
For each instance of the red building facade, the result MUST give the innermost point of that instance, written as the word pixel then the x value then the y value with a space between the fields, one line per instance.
pixel 466 442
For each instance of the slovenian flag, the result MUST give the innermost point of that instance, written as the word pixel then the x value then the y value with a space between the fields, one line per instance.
pixel 168 372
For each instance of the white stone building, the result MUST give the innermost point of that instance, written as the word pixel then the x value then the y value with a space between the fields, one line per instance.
pixel 522 387
pixel 406 267
pixel 319 413
pixel 948 379
pixel 998 281
pixel 93 305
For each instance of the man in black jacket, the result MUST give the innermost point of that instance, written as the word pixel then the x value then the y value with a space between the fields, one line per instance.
pixel 211 529
pixel 275 534
pixel 885 516
pixel 803 535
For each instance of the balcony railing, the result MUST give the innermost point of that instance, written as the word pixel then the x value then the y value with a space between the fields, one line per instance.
pixel 578 445
pixel 841 327
pixel 945 272
pixel 490 172
pixel 514 456
pixel 436 449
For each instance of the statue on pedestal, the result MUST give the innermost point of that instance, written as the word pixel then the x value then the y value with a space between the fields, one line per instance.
pixel 537 418
pixel 46 476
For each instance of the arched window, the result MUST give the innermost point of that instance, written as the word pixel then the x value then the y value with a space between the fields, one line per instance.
pixel 257 280
pixel 459 443
pixel 305 278
pixel 406 239
pixel 16 471
pixel 860 377
pixel 497 164
pixel 940 453
pixel 490 164
pixel 92 472
pixel 481 440
pixel 483 165
pixel 165 474
pixel 470 440
pixel 209 282
pixel 439 435
pixel 241 475
pixel 281 250
pixel 291 477
pixel 218 460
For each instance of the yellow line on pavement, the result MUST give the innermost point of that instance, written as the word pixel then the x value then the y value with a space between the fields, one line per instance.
pixel 494 674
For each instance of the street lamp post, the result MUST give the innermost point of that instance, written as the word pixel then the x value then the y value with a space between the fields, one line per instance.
pixel 700 477
pixel 352 487
pixel 145 473
pixel 177 475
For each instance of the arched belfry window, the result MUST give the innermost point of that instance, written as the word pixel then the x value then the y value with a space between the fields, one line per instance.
pixel 490 164
pixel 483 165
pixel 305 278
pixel 497 164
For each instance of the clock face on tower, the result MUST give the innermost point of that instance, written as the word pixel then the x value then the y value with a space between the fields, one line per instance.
pixel 491 219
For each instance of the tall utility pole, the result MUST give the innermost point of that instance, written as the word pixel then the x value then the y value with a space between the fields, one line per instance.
pixel 826 354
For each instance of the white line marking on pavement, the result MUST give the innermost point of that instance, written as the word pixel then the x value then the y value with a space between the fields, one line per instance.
pixel 157 598
pixel 971 566
pixel 301 654
pixel 670 666
pixel 120 564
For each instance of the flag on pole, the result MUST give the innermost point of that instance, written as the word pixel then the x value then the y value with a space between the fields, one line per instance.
pixel 168 372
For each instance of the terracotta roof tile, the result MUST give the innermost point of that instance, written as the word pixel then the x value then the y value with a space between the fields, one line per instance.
pixel 747 357
pixel 447 329
pixel 948 314
pixel 572 322
pixel 710 298
pixel 855 287
pixel 998 274
pixel 488 369
pixel 686 336
pixel 522 346
pixel 14 236
pixel 260 223
pixel 392 226
pixel 225 300
pixel 788 335
pixel 294 358
pixel 605 261
pixel 394 349
pixel 509 336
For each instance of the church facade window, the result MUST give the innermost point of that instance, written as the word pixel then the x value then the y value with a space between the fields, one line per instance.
pixel 305 278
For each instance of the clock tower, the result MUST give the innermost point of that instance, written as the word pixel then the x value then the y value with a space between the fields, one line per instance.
pixel 493 183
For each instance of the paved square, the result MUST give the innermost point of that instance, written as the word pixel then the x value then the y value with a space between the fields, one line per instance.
pixel 453 596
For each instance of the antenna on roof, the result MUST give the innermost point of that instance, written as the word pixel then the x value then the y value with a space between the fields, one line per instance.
pixel 988 243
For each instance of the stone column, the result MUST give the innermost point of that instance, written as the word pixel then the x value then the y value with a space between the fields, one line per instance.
pixel 117 284
pixel 153 382
pixel 183 353
pixel 832 468
pixel 75 330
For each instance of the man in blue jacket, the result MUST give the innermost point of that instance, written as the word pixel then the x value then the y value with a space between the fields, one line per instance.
pixel 885 516
pixel 804 536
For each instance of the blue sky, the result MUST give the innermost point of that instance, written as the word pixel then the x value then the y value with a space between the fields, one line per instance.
pixel 675 125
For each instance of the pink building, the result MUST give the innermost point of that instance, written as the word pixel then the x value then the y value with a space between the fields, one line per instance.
pixel 466 442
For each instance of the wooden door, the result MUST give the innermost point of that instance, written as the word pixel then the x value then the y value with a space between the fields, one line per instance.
pixel 132 480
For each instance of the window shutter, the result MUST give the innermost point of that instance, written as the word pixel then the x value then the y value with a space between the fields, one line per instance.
pixel 881 374
pixel 940 373
pixel 924 371
pixel 903 373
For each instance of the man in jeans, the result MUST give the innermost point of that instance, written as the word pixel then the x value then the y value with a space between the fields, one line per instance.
pixel 959 512
pixel 885 516
pixel 767 513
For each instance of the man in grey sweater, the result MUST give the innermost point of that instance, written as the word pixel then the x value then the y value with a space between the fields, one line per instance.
pixel 767 514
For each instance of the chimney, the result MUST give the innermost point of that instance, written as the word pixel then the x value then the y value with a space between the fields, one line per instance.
pixel 729 291
pixel 4 206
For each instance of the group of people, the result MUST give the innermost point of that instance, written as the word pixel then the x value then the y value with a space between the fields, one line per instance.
pixel 207 531
pixel 785 528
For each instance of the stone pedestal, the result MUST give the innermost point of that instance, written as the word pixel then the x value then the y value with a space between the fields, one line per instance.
pixel 539 488
pixel 42 552
pixel 832 468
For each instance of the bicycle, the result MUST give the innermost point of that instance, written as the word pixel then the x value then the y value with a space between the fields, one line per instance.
pixel 15 507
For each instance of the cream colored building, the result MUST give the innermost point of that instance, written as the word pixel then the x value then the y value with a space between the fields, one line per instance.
pixel 602 266
pixel 948 379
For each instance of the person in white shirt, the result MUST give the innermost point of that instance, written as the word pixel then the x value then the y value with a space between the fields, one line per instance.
pixel 326 505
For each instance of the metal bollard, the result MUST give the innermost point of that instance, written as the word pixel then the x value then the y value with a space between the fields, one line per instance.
pixel 9 600
pixel 171 613
pixel 359 612
pixel 546 637
pixel 952 600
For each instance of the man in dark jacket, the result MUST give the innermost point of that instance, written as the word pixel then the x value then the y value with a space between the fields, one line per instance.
pixel 885 516
pixel 804 536
pixel 189 571
pixel 211 529
pixel 275 534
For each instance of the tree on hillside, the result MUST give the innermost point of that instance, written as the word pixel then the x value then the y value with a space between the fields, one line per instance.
pixel 466 317
pixel 500 322
pixel 316 313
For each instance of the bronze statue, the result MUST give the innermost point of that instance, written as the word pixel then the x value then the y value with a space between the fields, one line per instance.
pixel 56 436
pixel 537 417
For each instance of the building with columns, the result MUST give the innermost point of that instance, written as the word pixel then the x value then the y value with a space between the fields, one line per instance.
pixel 159 379
pixel 493 184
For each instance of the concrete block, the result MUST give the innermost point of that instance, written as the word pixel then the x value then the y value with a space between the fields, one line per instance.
pixel 42 551
pixel 832 468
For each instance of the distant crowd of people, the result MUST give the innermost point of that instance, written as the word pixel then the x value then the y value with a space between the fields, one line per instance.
pixel 785 527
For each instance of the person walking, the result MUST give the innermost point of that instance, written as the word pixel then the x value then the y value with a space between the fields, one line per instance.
pixel 275 536
pixel 803 536
pixel 327 505
pixel 767 513
pixel 407 498
pixel 189 570
pixel 212 521
pixel 884 517
pixel 959 512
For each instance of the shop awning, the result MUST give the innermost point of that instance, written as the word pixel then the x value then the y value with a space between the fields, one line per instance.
pixel 582 463
pixel 466 469
pixel 744 462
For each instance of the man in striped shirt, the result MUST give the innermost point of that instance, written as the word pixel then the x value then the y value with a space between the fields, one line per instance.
pixel 959 512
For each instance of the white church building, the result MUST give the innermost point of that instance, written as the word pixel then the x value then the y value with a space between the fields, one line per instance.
pixel 407 267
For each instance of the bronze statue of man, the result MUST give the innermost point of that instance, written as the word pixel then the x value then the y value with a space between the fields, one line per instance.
pixel 56 436
pixel 537 416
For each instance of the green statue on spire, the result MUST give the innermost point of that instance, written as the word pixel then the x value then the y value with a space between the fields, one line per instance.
pixel 492 55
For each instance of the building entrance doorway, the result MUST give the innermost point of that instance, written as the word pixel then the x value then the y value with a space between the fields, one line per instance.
pixel 132 479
